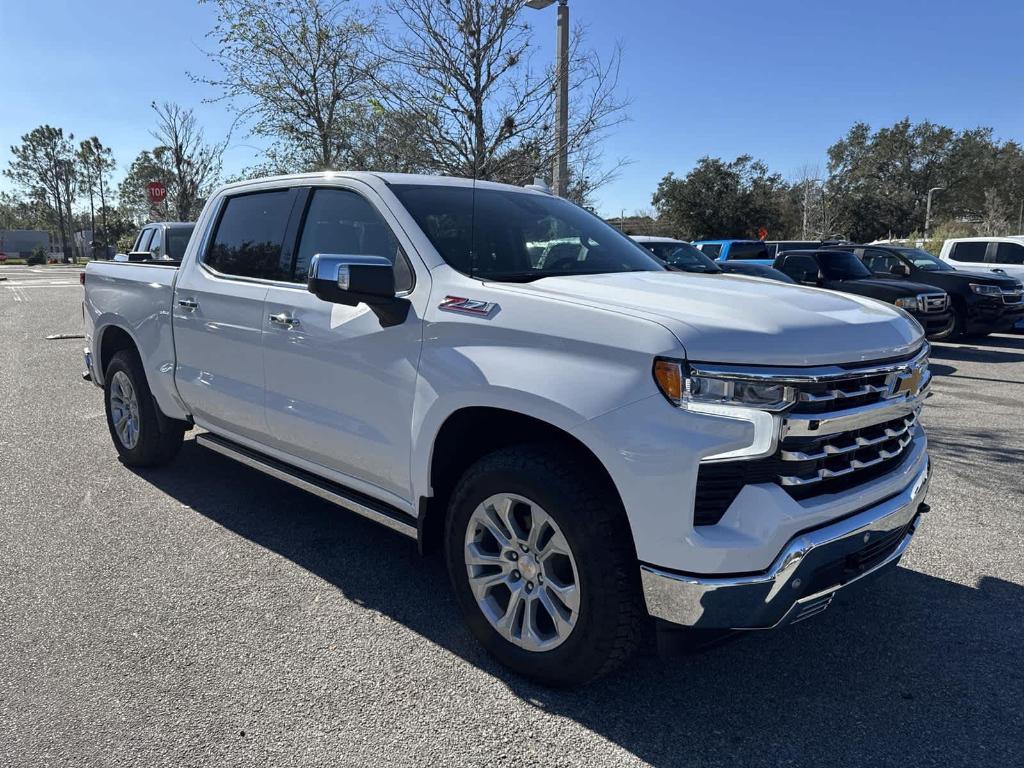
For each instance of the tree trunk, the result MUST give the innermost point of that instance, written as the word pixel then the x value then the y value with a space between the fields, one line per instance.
pixel 103 216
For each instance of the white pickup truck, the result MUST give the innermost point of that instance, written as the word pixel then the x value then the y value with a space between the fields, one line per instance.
pixel 591 439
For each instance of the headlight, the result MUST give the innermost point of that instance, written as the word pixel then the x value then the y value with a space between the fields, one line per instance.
pixel 907 302
pixel 986 290
pixel 685 389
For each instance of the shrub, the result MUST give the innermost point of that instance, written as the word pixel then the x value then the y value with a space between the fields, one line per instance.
pixel 38 256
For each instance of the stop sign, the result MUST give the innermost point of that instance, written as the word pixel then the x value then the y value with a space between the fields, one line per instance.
pixel 156 192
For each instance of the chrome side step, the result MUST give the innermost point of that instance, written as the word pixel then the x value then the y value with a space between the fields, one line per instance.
pixel 351 500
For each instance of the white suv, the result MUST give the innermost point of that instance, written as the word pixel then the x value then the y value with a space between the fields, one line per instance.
pixel 1003 254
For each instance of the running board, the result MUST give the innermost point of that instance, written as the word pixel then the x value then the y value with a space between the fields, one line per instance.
pixel 351 500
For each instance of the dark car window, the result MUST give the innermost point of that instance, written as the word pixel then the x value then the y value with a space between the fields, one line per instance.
pixel 748 251
pixel 924 260
pixel 494 234
pixel 343 222
pixel 683 256
pixel 969 251
pixel 799 266
pixel 1009 253
pixel 840 265
pixel 250 234
pixel 881 262
pixel 177 241
pixel 711 250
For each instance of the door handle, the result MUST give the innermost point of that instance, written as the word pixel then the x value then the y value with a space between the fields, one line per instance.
pixel 189 304
pixel 285 320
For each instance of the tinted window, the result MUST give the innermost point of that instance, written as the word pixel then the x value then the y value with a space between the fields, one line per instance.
pixel 748 251
pixel 345 223
pixel 924 260
pixel 143 242
pixel 1009 253
pixel 249 236
pixel 177 241
pixel 711 250
pixel 880 261
pixel 800 267
pixel 156 245
pixel 501 234
pixel 840 265
pixel 682 255
pixel 971 251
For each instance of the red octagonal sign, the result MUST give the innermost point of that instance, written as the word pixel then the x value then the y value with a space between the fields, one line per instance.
pixel 156 192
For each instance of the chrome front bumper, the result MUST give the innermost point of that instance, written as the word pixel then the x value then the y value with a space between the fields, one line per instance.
pixel 804 577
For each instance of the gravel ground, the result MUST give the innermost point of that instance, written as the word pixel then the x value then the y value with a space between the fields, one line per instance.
pixel 203 614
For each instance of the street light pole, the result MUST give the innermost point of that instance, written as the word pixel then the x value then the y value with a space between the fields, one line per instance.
pixel 928 210
pixel 560 171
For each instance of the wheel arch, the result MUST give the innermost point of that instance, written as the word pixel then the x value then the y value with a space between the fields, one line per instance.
pixel 470 433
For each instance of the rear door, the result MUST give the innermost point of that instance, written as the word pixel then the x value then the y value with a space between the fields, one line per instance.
pixel 340 382
pixel 969 254
pixel 219 315
pixel 1009 257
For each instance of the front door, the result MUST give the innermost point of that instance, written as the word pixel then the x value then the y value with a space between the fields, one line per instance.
pixel 340 383
pixel 218 313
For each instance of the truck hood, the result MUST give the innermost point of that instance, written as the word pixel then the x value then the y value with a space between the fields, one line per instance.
pixel 737 319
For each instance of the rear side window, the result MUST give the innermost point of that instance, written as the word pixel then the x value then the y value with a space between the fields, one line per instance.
pixel 156 245
pixel 249 237
pixel 344 223
pixel 748 251
pixel 797 266
pixel 177 241
pixel 711 250
pixel 143 242
pixel 969 251
pixel 1009 253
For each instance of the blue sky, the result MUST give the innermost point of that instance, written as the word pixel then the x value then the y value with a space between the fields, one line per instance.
pixel 780 80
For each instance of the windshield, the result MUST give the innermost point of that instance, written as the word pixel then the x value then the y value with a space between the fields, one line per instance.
pixel 177 241
pixel 682 256
pixel 924 260
pixel 839 265
pixel 518 236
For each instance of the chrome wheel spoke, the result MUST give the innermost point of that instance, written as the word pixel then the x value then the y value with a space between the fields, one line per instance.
pixel 522 572
pixel 124 410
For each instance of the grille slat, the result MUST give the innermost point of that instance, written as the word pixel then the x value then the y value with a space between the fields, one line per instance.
pixel 868 421
pixel 934 302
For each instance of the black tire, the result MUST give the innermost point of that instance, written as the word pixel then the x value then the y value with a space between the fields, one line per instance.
pixel 959 325
pixel 611 619
pixel 159 439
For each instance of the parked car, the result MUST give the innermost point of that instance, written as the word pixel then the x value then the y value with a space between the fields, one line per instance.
pixel 841 270
pixel 735 250
pixel 995 254
pixel 678 254
pixel 686 257
pixel 160 241
pixel 982 302
pixel 590 442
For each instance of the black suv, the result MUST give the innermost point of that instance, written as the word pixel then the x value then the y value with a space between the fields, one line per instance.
pixel 983 302
pixel 840 270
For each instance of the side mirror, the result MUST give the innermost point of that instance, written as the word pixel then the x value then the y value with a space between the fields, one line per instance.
pixel 899 270
pixel 352 279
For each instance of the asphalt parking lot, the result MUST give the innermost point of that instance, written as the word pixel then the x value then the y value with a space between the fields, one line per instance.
pixel 204 614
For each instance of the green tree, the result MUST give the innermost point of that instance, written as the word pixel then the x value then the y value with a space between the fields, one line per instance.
pixel 96 163
pixel 720 199
pixel 44 166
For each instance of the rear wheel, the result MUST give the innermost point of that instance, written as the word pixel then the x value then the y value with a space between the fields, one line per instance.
pixel 542 562
pixel 141 437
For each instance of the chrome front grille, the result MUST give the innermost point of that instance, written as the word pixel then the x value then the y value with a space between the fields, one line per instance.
pixel 933 302
pixel 1012 296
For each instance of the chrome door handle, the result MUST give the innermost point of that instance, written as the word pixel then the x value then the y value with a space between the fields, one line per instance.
pixel 189 304
pixel 284 319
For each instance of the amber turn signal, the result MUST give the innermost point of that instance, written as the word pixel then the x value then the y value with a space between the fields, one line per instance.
pixel 669 377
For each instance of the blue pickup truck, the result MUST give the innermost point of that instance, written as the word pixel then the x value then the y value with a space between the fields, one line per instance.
pixel 753 251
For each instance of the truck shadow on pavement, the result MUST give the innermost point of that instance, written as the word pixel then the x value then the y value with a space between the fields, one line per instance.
pixel 910 669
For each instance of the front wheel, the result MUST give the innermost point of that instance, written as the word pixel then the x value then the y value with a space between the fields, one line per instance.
pixel 541 559
pixel 142 439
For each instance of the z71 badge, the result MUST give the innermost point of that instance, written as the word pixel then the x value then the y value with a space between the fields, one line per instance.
pixel 467 306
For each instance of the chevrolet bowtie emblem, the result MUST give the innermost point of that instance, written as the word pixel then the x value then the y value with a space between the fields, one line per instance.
pixel 908 383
